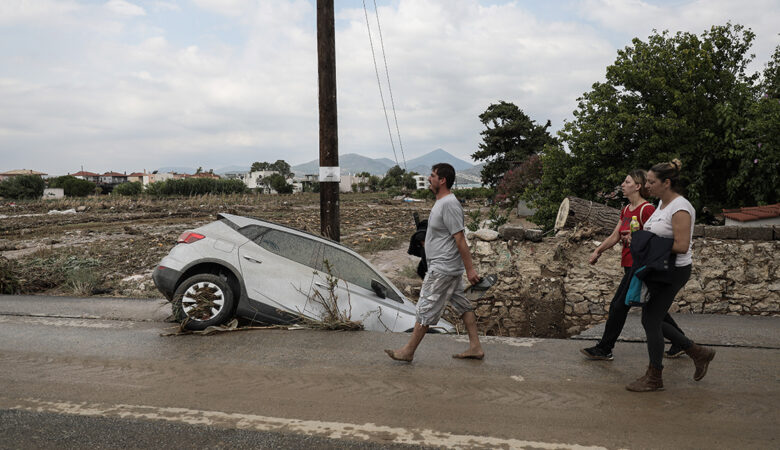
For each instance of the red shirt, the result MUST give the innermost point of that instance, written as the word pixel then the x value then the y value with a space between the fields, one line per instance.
pixel 642 213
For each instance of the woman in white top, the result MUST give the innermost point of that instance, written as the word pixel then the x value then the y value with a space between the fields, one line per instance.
pixel 674 219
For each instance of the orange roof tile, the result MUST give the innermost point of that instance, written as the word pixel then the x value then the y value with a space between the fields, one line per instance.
pixel 748 213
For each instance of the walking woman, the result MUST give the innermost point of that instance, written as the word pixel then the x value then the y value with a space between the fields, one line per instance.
pixel 633 189
pixel 673 219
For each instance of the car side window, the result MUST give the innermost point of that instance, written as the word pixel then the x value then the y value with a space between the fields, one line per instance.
pixel 352 270
pixel 253 232
pixel 290 246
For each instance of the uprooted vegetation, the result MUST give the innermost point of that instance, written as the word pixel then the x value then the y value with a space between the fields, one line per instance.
pixel 332 317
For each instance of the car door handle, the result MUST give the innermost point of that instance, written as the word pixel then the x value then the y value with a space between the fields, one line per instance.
pixel 254 260
pixel 322 285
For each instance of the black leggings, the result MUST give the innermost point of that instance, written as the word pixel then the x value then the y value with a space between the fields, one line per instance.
pixel 618 311
pixel 661 298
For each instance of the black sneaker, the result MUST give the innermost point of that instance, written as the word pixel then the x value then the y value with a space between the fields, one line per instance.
pixel 597 353
pixel 674 352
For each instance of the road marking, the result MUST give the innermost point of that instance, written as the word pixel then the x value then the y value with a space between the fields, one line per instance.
pixel 331 430
pixel 513 341
pixel 88 322
pixel 517 378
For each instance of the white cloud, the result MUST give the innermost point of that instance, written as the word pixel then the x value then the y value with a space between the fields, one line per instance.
pixel 125 8
pixel 235 81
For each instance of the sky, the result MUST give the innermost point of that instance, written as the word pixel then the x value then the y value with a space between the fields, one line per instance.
pixel 133 85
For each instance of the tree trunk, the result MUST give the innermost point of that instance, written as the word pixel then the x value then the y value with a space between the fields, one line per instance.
pixel 585 213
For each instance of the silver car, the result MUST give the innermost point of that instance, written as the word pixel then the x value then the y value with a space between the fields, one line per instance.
pixel 251 268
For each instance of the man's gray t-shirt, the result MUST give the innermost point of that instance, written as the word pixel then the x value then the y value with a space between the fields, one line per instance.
pixel 441 252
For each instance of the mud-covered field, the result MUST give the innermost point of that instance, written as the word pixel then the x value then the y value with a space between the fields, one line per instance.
pixel 109 246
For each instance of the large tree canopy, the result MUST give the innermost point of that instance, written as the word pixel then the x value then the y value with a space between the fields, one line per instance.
pixel 683 96
pixel 509 138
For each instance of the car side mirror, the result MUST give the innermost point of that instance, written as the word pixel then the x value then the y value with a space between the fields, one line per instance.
pixel 379 289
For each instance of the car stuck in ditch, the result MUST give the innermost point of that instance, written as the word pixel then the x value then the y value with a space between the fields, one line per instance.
pixel 246 267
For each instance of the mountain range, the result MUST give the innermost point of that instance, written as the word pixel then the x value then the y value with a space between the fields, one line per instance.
pixel 352 163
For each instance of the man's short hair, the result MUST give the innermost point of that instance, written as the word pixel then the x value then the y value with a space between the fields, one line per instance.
pixel 446 171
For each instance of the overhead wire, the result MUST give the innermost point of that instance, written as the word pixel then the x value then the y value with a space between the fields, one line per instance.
pixel 389 86
pixel 379 83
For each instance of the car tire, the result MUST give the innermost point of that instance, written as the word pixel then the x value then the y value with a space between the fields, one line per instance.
pixel 203 300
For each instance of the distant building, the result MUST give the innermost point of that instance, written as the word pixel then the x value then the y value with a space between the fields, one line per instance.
pixel 18 172
pixel 88 176
pixel 345 185
pixel 420 181
pixel 53 193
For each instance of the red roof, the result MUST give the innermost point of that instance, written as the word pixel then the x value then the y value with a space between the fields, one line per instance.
pixel 749 213
pixel 137 174
pixel 84 174
pixel 113 174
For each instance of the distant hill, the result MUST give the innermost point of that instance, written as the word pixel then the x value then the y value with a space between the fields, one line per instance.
pixel 177 169
pixel 351 163
pixel 424 163
pixel 354 163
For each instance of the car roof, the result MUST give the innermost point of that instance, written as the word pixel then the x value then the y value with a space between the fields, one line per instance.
pixel 242 221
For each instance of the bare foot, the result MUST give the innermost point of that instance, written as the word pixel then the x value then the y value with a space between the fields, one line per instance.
pixel 469 354
pixel 393 355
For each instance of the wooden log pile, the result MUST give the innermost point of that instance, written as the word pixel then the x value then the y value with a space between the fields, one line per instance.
pixel 577 212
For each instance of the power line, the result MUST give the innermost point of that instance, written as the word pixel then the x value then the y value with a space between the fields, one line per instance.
pixel 389 88
pixel 379 83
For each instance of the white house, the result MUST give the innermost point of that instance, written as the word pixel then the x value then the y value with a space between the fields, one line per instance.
pixel 421 181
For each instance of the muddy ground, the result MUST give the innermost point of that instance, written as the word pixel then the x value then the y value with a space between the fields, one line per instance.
pixel 107 246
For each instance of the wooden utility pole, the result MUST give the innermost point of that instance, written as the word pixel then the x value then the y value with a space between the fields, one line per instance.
pixel 329 139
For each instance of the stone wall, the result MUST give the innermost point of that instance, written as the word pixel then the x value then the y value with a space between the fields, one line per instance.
pixel 548 289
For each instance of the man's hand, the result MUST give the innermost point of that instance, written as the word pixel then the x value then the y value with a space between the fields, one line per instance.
pixel 472 275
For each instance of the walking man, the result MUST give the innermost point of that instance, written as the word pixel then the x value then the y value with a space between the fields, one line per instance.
pixel 447 255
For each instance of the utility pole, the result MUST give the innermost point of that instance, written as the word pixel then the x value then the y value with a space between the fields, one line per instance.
pixel 329 139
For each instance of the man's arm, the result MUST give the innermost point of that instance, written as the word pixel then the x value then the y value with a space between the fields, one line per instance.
pixel 465 255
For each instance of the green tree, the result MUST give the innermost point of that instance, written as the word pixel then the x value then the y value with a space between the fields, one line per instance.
pixel 128 189
pixel 509 138
pixel 72 186
pixel 258 166
pixel 22 187
pixel 393 177
pixel 278 183
pixel 682 96
pixel 282 168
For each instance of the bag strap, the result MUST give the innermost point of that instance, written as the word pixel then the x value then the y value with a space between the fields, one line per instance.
pixel 641 210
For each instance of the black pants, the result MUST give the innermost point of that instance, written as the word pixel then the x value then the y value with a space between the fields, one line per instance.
pixel 656 328
pixel 618 311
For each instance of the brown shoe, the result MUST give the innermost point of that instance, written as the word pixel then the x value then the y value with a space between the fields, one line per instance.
pixel 701 357
pixel 651 381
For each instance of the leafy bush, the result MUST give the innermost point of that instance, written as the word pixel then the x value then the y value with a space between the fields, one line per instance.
pixel 195 186
pixel 130 189
pixel 73 187
pixel 476 192
pixel 22 187
pixel 517 180
pixel 423 194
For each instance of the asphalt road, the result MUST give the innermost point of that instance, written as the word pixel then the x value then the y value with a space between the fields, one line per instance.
pixel 100 374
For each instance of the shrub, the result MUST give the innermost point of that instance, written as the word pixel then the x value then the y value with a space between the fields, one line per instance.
pixel 130 189
pixel 22 187
pixel 73 187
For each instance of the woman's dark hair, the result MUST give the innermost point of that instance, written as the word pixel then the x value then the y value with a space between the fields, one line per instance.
pixel 446 171
pixel 640 177
pixel 668 171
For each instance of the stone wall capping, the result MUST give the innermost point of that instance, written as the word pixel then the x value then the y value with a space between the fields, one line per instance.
pixel 511 232
pixel 534 234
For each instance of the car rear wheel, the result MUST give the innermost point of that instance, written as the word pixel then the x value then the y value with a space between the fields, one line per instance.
pixel 203 300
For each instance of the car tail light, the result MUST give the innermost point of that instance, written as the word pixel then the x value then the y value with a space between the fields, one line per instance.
pixel 188 237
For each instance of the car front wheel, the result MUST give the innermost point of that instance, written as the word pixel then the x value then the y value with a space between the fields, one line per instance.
pixel 203 300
